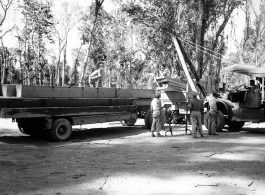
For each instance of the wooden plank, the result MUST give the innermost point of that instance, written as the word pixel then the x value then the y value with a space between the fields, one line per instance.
pixel 67 92
pixel 124 93
pixel 65 111
pixel 100 92
pixel 34 91
pixel 143 93
pixel 31 91
pixel 62 102
pixel 9 90
pixel 135 93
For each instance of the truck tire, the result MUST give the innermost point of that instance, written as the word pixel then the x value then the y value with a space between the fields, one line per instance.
pixel 129 122
pixel 220 121
pixel 148 120
pixel 61 130
pixel 235 125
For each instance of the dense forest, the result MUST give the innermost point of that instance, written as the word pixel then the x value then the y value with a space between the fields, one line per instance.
pixel 132 43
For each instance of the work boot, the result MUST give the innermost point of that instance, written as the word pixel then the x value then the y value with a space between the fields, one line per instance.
pixel 152 134
pixel 158 134
pixel 194 136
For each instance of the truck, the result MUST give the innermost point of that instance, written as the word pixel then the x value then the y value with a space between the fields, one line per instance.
pixel 243 105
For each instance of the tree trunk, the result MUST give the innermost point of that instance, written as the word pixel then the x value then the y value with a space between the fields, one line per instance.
pixel 64 64
pixel 200 29
pixel 4 63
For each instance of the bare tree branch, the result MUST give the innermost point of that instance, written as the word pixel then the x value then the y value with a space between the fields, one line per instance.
pixel 9 30
pixel 5 9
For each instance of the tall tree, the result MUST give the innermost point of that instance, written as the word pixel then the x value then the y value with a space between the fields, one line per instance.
pixel 191 21
pixel 68 20
pixel 37 31
pixel 97 8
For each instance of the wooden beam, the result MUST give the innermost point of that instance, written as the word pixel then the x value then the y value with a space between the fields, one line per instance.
pixel 63 112
pixel 135 93
pixel 63 102
pixel 30 91
pixel 8 90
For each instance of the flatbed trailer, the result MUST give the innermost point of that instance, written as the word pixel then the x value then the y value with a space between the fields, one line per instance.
pixel 49 112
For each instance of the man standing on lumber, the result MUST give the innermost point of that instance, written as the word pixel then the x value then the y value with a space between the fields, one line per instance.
pixel 95 78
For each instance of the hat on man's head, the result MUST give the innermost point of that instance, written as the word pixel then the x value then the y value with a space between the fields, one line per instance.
pixel 194 94
pixel 214 93
pixel 157 94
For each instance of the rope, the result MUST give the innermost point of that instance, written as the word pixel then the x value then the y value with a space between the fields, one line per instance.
pixel 194 45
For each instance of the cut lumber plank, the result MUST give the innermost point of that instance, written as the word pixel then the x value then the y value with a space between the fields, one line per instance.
pixel 169 89
pixel 34 91
pixel 29 91
pixel 100 92
pixel 9 90
pixel 65 111
pixel 135 93
pixel 62 102
pixel 173 96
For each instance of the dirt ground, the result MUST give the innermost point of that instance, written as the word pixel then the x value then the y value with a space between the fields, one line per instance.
pixel 114 160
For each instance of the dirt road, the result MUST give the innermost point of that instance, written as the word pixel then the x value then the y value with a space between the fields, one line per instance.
pixel 114 160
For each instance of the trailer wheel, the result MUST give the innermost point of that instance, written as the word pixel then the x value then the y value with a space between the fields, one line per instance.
pixel 61 130
pixel 129 122
pixel 23 126
pixel 148 120
pixel 235 125
pixel 220 121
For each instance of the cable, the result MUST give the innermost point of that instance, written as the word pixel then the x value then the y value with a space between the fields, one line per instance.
pixel 194 45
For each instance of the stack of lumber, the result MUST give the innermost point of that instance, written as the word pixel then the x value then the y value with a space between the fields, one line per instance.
pixel 34 91
pixel 27 101
pixel 169 84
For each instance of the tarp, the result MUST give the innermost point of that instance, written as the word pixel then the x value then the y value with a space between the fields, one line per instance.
pixel 246 69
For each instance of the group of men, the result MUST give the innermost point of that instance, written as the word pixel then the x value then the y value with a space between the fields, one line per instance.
pixel 196 109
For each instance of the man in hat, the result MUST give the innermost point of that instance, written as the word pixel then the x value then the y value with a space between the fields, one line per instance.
pixel 195 107
pixel 213 113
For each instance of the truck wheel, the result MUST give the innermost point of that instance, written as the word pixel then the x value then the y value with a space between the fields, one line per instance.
pixel 220 121
pixel 129 122
pixel 61 130
pixel 235 125
pixel 148 120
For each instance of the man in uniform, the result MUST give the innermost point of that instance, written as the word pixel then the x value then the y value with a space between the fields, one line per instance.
pixel 213 113
pixel 195 107
pixel 157 115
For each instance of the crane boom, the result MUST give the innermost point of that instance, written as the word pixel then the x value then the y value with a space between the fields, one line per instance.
pixel 185 59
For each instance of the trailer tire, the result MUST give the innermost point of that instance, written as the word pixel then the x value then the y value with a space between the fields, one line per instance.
pixel 23 126
pixel 61 130
pixel 148 120
pixel 129 122
pixel 220 121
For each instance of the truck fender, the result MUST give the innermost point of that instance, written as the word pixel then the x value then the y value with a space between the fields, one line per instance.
pixel 225 106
